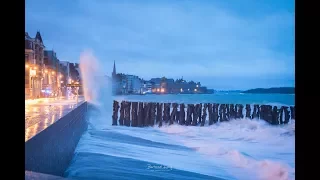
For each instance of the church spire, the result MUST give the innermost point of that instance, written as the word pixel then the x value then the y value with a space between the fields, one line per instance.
pixel 114 72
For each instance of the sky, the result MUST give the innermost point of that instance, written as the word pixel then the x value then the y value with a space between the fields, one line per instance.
pixel 224 44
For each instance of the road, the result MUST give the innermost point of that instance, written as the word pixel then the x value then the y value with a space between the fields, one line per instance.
pixel 41 113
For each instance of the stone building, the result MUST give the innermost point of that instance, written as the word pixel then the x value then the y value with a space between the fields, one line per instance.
pixel 34 62
pixel 52 74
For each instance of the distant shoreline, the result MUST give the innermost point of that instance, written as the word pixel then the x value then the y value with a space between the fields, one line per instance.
pixel 279 90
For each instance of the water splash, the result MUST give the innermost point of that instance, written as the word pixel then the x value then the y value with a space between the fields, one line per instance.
pixel 96 86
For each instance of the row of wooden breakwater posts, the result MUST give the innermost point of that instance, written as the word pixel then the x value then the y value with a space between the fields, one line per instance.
pixel 141 114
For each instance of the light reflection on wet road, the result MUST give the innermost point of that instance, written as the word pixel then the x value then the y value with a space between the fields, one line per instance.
pixel 41 113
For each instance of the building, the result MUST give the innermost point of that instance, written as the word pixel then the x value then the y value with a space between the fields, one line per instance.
pixel 34 62
pixel 52 75
pixel 134 84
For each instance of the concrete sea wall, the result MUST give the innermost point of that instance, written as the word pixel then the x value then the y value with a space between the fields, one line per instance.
pixel 51 151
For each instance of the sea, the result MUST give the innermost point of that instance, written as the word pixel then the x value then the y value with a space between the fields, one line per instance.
pixel 241 149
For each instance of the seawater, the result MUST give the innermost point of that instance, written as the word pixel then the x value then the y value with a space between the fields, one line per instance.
pixel 242 149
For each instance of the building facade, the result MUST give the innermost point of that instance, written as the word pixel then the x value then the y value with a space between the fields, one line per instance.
pixel 34 62
pixel 52 74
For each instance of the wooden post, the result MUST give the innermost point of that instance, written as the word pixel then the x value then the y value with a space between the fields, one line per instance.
pixel 227 112
pixel 115 113
pixel 134 114
pixel 232 112
pixel 166 112
pixel 255 111
pixel 281 114
pixel 210 112
pixel 263 112
pixel 121 119
pixel 189 114
pixel 275 115
pixel 182 120
pixel 292 111
pixel 238 111
pixel 153 113
pixel 159 114
pixel 248 111
pixel 173 113
pixel 269 113
pixel 215 112
pixel 204 114
pixel 199 113
pixel 286 115
pixel 195 115
pixel 127 113
pixel 140 115
pixel 241 110
pixel 258 112
pixel 221 113
pixel 147 114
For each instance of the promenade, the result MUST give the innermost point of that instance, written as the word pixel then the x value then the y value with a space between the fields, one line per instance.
pixel 41 113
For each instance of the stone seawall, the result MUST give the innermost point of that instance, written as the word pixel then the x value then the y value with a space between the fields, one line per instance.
pixel 51 151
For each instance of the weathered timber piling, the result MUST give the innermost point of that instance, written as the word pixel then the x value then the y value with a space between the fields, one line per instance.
pixel 115 113
pixel 199 113
pixel 286 115
pixel 189 114
pixel 215 112
pixel 248 111
pixel 266 113
pixel 210 112
pixel 121 119
pixel 195 115
pixel 292 111
pixel 224 113
pixel 204 114
pixel 227 112
pixel 166 112
pixel 275 115
pixel 153 113
pixel 221 113
pixel 127 113
pixel 255 113
pixel 147 110
pixel 159 114
pixel 232 112
pixel 182 120
pixel 173 113
pixel 239 108
pixel 140 115
pixel 134 114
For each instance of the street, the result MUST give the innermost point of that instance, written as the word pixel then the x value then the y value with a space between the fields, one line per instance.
pixel 41 113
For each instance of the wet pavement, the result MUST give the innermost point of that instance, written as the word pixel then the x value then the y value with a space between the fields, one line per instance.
pixel 41 113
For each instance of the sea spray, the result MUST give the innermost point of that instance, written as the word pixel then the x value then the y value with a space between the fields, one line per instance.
pixel 97 88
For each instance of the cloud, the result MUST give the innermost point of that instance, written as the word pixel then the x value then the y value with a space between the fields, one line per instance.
pixel 176 38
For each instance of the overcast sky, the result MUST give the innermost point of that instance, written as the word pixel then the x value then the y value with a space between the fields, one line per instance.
pixel 225 44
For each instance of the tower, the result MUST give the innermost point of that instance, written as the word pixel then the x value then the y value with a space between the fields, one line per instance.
pixel 114 72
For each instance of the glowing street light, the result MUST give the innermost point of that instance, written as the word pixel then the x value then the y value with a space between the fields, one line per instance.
pixel 181 90
pixel 27 66
pixel 197 85
pixel 60 76
pixel 46 71
pixel 158 89
pixel 195 89
pixel 162 89
pixel 53 72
